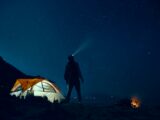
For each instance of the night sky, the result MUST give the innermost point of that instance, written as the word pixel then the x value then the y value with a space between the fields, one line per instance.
pixel 120 40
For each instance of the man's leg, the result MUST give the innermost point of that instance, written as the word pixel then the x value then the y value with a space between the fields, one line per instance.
pixel 78 89
pixel 70 87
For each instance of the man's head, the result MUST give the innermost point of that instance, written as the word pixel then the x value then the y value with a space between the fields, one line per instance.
pixel 71 58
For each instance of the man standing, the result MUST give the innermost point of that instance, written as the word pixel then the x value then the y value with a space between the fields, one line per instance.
pixel 73 76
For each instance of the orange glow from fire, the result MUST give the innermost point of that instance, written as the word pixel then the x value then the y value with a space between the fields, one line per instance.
pixel 135 102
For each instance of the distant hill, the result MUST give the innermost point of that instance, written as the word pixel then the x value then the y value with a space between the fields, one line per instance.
pixel 8 75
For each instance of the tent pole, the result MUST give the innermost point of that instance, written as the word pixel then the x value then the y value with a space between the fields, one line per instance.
pixel 42 86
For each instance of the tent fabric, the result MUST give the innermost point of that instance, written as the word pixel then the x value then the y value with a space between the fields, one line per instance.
pixel 37 87
pixel 26 83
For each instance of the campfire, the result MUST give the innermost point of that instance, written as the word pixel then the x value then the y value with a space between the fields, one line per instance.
pixel 135 102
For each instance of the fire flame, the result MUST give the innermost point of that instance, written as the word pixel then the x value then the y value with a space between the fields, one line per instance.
pixel 135 102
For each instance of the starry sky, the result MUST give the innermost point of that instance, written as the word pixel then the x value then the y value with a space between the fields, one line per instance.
pixel 119 41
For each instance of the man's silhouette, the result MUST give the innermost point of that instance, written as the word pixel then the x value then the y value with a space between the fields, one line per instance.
pixel 73 76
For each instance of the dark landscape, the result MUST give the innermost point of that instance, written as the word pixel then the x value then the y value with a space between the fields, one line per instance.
pixel 92 108
pixel 113 46
pixel 40 109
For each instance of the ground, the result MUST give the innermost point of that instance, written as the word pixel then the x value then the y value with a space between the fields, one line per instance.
pixel 40 109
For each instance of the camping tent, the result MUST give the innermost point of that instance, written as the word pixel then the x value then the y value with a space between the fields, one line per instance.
pixel 37 87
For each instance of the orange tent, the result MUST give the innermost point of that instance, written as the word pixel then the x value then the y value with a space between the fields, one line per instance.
pixel 25 83
pixel 38 87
